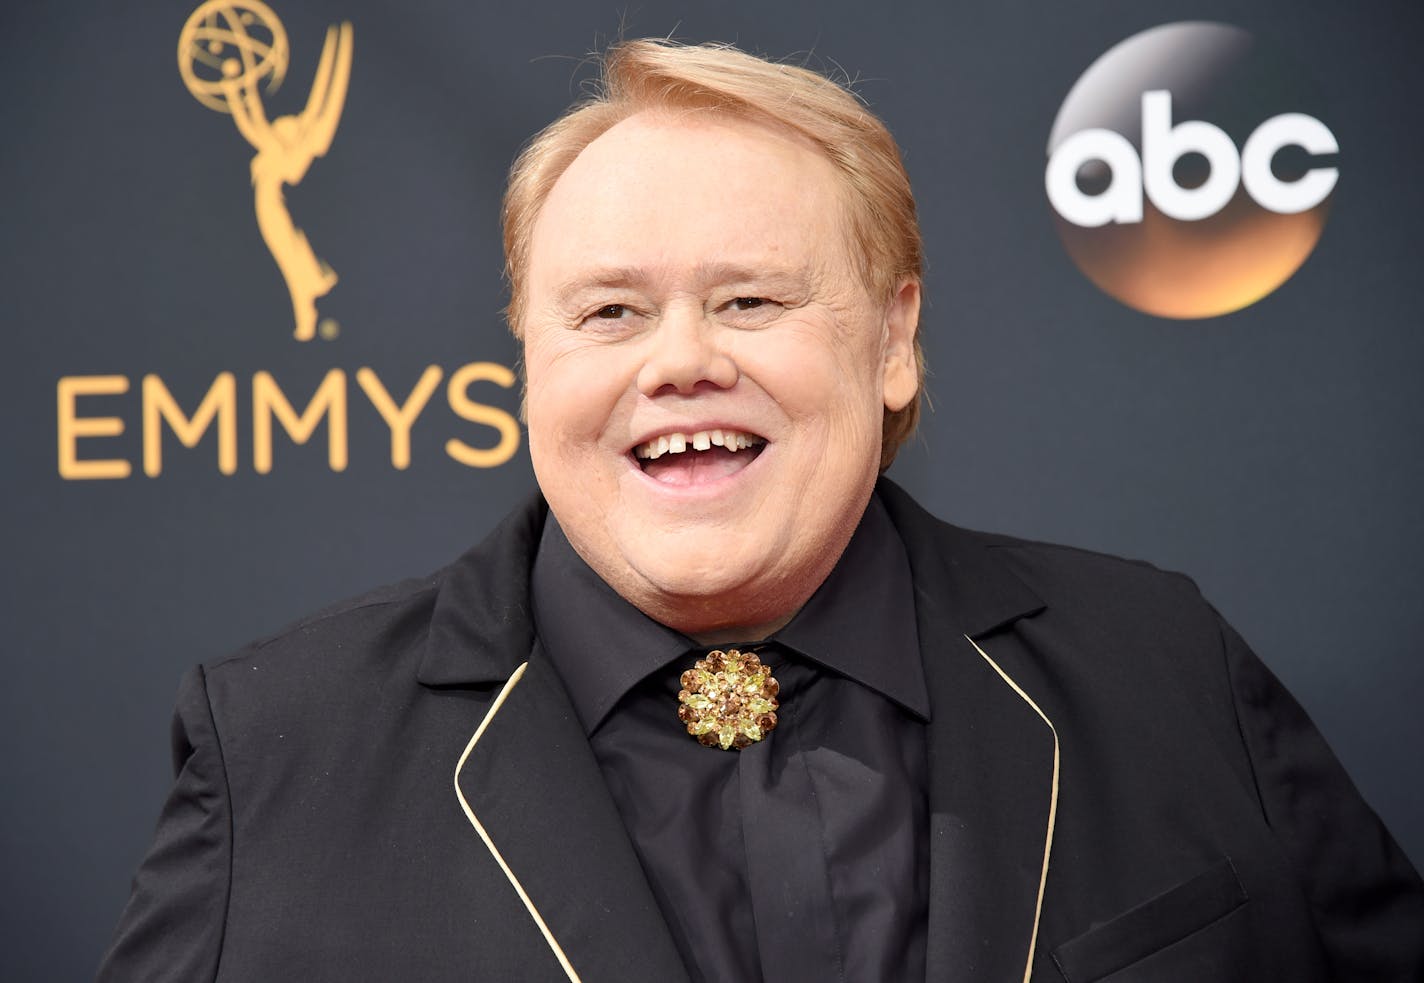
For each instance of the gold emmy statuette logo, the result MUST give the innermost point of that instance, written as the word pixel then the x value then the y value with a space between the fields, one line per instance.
pixel 230 51
pixel 227 50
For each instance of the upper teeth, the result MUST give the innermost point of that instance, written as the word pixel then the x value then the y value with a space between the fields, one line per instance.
pixel 676 443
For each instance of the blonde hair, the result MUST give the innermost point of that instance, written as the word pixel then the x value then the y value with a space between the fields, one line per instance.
pixel 657 74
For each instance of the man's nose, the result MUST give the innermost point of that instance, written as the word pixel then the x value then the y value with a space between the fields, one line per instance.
pixel 686 351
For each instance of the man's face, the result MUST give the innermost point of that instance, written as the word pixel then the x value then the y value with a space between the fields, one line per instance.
pixel 690 285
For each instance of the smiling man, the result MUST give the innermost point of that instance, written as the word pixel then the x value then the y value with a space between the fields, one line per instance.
pixel 689 278
pixel 721 704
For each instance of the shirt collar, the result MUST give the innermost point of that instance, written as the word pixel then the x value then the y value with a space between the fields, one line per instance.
pixel 601 645
pixel 859 623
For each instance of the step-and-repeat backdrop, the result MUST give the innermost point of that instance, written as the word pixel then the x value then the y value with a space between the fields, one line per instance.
pixel 254 357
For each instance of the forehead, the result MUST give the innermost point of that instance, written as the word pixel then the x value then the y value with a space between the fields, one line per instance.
pixel 691 188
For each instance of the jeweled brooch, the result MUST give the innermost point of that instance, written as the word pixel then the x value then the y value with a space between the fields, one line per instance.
pixel 728 699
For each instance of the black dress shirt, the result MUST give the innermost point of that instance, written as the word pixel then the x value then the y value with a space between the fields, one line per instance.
pixel 801 857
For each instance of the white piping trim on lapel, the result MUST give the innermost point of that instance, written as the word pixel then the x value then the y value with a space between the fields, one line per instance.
pixel 489 843
pixel 1052 803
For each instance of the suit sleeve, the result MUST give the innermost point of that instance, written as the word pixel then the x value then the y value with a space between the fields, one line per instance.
pixel 172 926
pixel 1367 899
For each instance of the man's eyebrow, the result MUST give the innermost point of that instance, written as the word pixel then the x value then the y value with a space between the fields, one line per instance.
pixel 613 276
pixel 704 274
pixel 718 273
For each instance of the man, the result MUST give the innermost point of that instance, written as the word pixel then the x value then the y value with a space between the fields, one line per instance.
pixel 979 759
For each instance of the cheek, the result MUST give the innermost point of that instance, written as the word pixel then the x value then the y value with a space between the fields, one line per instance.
pixel 572 394
pixel 819 379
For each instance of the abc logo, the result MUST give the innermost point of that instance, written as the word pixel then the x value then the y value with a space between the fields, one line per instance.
pixel 1186 180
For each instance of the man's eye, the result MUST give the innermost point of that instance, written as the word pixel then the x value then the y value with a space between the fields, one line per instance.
pixel 609 312
pixel 748 303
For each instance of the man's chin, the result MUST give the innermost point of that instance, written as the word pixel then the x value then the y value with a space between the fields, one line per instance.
pixel 711 592
pixel 713 584
pixel 710 620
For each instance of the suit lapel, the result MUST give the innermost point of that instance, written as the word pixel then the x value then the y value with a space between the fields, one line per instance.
pixel 993 795
pixel 532 790
pixel 527 780
pixel 993 755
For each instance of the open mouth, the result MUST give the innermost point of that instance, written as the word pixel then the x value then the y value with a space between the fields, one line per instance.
pixel 698 457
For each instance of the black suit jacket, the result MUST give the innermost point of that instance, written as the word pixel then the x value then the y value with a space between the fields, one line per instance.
pixel 399 789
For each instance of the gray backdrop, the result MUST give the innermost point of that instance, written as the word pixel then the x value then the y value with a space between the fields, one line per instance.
pixel 1273 453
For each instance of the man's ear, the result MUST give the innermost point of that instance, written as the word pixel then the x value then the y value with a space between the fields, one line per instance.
pixel 902 320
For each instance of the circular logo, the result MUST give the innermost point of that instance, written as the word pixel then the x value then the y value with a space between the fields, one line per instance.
pixel 1186 175
pixel 229 45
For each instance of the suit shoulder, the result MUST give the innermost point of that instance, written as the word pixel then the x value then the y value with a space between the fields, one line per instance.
pixel 469 613
pixel 378 619
pixel 1010 575
pixel 1032 559
pixel 1118 589
pixel 1047 560
pixel 1141 622
pixel 322 678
